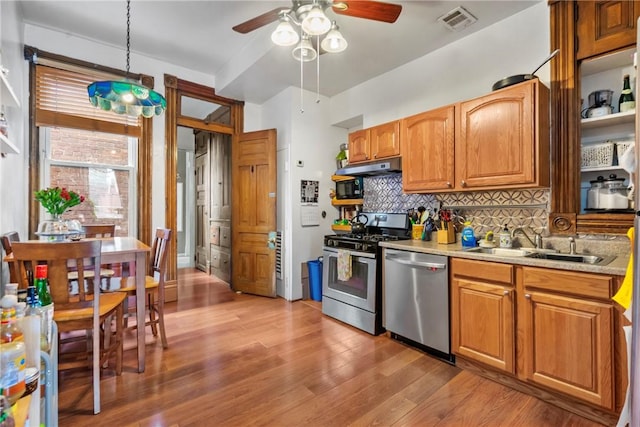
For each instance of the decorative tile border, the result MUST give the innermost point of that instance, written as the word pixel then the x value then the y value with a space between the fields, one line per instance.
pixel 488 210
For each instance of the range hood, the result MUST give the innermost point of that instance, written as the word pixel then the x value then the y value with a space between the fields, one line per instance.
pixel 381 167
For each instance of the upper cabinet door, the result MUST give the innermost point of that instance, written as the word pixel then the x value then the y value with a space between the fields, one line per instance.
pixel 385 140
pixel 427 141
pixel 603 26
pixel 503 139
pixel 359 148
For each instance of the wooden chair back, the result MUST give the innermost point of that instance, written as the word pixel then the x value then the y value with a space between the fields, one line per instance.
pixel 159 251
pixel 7 242
pixel 99 230
pixel 61 258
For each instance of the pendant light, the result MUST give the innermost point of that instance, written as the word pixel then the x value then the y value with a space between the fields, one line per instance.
pixel 334 42
pixel 126 96
pixel 316 23
pixel 304 51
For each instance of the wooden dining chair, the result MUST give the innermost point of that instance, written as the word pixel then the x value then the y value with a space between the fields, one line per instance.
pixel 90 311
pixel 7 241
pixel 154 283
pixel 100 231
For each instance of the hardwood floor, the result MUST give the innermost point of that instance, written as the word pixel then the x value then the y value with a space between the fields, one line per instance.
pixel 236 360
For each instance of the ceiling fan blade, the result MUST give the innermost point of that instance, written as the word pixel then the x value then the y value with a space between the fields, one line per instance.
pixel 368 9
pixel 259 21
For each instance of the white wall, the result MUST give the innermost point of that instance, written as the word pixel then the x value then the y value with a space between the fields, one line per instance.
pixel 461 70
pixel 13 168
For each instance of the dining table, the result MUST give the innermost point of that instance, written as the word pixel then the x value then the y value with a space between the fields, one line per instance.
pixel 131 251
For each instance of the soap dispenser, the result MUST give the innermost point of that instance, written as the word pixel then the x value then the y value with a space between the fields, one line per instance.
pixel 468 237
pixel 505 237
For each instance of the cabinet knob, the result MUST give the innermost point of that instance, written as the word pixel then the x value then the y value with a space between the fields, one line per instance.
pixel 463 183
pixel 505 292
pixel 527 296
pixel 449 184
pixel 375 156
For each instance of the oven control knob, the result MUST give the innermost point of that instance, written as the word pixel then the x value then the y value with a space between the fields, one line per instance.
pixel 358 246
pixel 365 247
pixel 332 243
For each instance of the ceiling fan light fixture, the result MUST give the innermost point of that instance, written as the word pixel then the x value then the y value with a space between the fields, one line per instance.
pixel 316 22
pixel 304 51
pixel 284 34
pixel 334 41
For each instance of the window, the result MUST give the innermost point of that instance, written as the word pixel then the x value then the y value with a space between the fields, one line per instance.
pixel 99 166
pixel 85 149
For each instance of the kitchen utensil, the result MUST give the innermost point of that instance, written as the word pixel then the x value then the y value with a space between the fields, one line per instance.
pixel 519 78
pixel 358 227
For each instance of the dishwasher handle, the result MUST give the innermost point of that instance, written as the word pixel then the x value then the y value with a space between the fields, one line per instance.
pixel 429 265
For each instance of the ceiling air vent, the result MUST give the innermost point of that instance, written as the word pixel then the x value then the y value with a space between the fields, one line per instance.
pixel 457 19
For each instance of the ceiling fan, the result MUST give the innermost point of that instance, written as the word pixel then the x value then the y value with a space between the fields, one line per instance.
pixel 367 9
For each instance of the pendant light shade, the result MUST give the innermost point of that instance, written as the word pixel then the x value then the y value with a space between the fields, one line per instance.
pixel 334 42
pixel 284 34
pixel 316 22
pixel 304 51
pixel 126 97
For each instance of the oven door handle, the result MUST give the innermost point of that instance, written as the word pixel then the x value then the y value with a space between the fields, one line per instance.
pixel 429 265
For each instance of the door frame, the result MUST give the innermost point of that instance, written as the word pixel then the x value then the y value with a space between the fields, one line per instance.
pixel 175 89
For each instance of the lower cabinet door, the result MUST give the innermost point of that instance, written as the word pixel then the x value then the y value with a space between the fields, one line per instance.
pixel 483 323
pixel 569 346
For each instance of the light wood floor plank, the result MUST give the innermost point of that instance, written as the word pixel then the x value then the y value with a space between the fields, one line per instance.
pixel 241 360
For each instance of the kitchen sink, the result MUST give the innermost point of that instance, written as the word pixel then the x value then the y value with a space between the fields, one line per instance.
pixel 500 251
pixel 578 258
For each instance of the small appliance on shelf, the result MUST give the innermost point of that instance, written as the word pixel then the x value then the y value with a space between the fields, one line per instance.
pixel 599 104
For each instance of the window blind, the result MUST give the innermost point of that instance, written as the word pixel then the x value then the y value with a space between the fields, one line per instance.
pixel 62 100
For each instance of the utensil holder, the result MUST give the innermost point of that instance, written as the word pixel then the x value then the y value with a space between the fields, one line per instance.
pixel 447 236
pixel 416 231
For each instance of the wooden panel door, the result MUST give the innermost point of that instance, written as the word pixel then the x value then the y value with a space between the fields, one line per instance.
pixel 202 211
pixel 569 346
pixel 495 146
pixel 220 177
pixel 253 173
pixel 605 26
pixel 385 140
pixel 426 141
pixel 483 323
pixel 359 147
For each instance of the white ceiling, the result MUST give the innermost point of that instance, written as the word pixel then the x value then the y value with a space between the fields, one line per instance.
pixel 198 35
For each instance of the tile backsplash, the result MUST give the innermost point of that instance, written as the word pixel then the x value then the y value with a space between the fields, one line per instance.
pixel 487 210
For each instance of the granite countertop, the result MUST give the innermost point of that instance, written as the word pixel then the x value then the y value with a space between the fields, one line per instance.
pixel 617 267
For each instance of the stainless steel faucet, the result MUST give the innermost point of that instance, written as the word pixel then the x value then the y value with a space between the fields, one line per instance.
pixel 572 246
pixel 537 239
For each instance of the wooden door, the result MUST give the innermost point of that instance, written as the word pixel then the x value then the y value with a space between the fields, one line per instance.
pixel 604 26
pixel 359 148
pixel 385 140
pixel 202 211
pixel 495 144
pixel 220 177
pixel 427 150
pixel 253 218
pixel 569 346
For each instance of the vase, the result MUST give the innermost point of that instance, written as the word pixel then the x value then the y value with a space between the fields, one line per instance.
pixel 54 229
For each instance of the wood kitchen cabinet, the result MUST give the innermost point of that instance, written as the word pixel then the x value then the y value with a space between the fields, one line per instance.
pixel 553 333
pixel 378 142
pixel 568 341
pixel 497 141
pixel 483 312
pixel 427 150
pixel 503 139
pixel 604 26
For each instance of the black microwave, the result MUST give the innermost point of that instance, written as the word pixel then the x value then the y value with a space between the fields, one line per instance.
pixel 350 188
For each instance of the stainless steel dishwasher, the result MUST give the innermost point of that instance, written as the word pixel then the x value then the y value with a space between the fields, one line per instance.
pixel 416 300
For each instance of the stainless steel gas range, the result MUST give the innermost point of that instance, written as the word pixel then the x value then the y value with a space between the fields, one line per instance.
pixel 352 271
